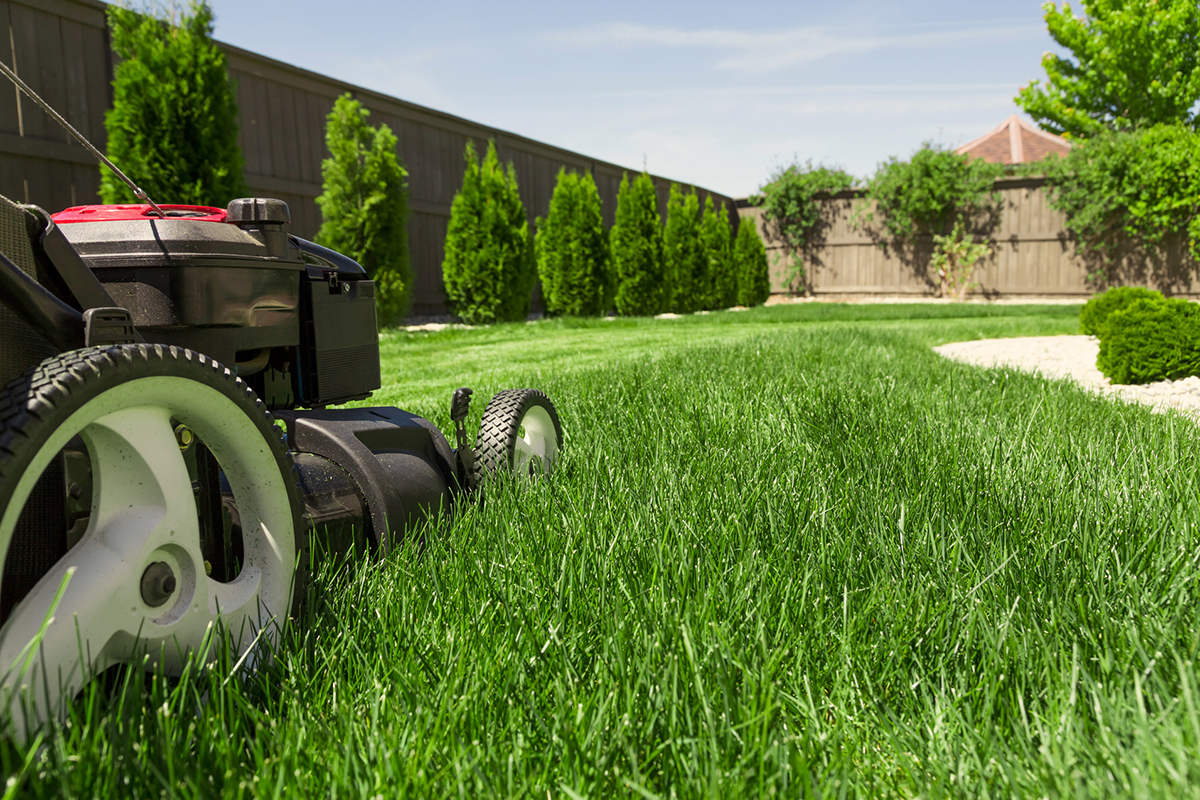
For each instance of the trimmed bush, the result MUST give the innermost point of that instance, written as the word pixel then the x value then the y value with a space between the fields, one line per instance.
pixel 637 249
pixel 572 249
pixel 750 258
pixel 488 269
pixel 722 278
pixel 687 263
pixel 1094 313
pixel 1151 340
pixel 173 125
pixel 364 205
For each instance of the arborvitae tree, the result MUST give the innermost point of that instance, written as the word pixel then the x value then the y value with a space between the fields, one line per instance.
pixel 488 269
pixel 364 206
pixel 173 124
pixel 722 279
pixel 637 249
pixel 572 249
pixel 750 258
pixel 687 263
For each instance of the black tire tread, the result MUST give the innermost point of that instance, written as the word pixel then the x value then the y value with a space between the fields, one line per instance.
pixel 499 426
pixel 33 404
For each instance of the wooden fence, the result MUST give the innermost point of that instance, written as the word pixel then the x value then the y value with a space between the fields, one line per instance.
pixel 1032 253
pixel 60 47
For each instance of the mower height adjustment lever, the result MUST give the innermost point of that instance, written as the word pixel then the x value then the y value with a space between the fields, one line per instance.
pixel 460 404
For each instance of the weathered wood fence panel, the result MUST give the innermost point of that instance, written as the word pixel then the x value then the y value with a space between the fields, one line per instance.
pixel 61 48
pixel 1032 253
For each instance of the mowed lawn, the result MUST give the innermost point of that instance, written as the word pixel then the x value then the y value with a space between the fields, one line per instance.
pixel 787 551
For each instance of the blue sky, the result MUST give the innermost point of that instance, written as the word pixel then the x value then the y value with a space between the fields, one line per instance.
pixel 716 94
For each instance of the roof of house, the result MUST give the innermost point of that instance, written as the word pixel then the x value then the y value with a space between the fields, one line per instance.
pixel 1015 141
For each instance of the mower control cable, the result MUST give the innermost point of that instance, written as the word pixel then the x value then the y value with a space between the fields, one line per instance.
pixel 141 195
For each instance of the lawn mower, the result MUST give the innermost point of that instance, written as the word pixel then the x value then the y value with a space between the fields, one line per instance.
pixel 172 460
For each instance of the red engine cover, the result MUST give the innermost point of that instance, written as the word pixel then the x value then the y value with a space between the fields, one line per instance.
pixel 134 212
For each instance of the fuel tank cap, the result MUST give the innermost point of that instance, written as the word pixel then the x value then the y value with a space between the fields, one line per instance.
pixel 258 211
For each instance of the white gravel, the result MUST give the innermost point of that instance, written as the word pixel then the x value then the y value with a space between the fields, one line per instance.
pixel 1073 358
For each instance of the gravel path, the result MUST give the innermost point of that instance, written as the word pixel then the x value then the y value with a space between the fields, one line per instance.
pixel 1073 357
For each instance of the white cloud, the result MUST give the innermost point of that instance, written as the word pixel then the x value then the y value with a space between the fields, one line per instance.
pixel 762 52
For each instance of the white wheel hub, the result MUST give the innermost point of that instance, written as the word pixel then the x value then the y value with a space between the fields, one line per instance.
pixel 536 447
pixel 89 611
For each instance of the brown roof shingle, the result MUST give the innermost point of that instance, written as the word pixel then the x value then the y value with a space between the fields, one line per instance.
pixel 1015 141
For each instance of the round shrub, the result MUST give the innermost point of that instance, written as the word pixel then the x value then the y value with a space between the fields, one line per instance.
pixel 1151 340
pixel 1094 313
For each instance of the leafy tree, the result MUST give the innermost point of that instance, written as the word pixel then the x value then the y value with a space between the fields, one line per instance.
pixel 572 249
pixel 1125 189
pixel 750 256
pixel 715 235
pixel 488 269
pixel 1136 63
pixel 364 205
pixel 792 212
pixel 932 191
pixel 173 124
pixel 638 261
pixel 687 263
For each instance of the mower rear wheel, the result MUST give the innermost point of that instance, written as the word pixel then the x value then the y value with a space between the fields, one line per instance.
pixel 135 583
pixel 520 433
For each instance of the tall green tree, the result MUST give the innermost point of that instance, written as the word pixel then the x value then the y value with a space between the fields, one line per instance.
pixel 687 263
pixel 1136 63
pixel 488 269
pixel 637 249
pixel 572 249
pixel 722 278
pixel 750 258
pixel 364 205
pixel 173 125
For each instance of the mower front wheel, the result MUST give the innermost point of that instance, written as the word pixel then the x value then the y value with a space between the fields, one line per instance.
pixel 134 582
pixel 520 433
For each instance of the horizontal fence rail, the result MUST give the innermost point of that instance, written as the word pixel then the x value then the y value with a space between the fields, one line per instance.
pixel 61 48
pixel 1032 253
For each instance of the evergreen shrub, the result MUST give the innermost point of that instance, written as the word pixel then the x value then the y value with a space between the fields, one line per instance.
pixel 1151 340
pixel 572 249
pixel 173 124
pixel 637 249
pixel 1094 313
pixel 722 278
pixel 687 263
pixel 750 258
pixel 364 205
pixel 488 269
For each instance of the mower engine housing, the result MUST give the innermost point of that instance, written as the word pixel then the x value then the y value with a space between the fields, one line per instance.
pixel 295 319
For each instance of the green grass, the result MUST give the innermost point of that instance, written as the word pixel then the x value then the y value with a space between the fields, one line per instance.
pixel 788 551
